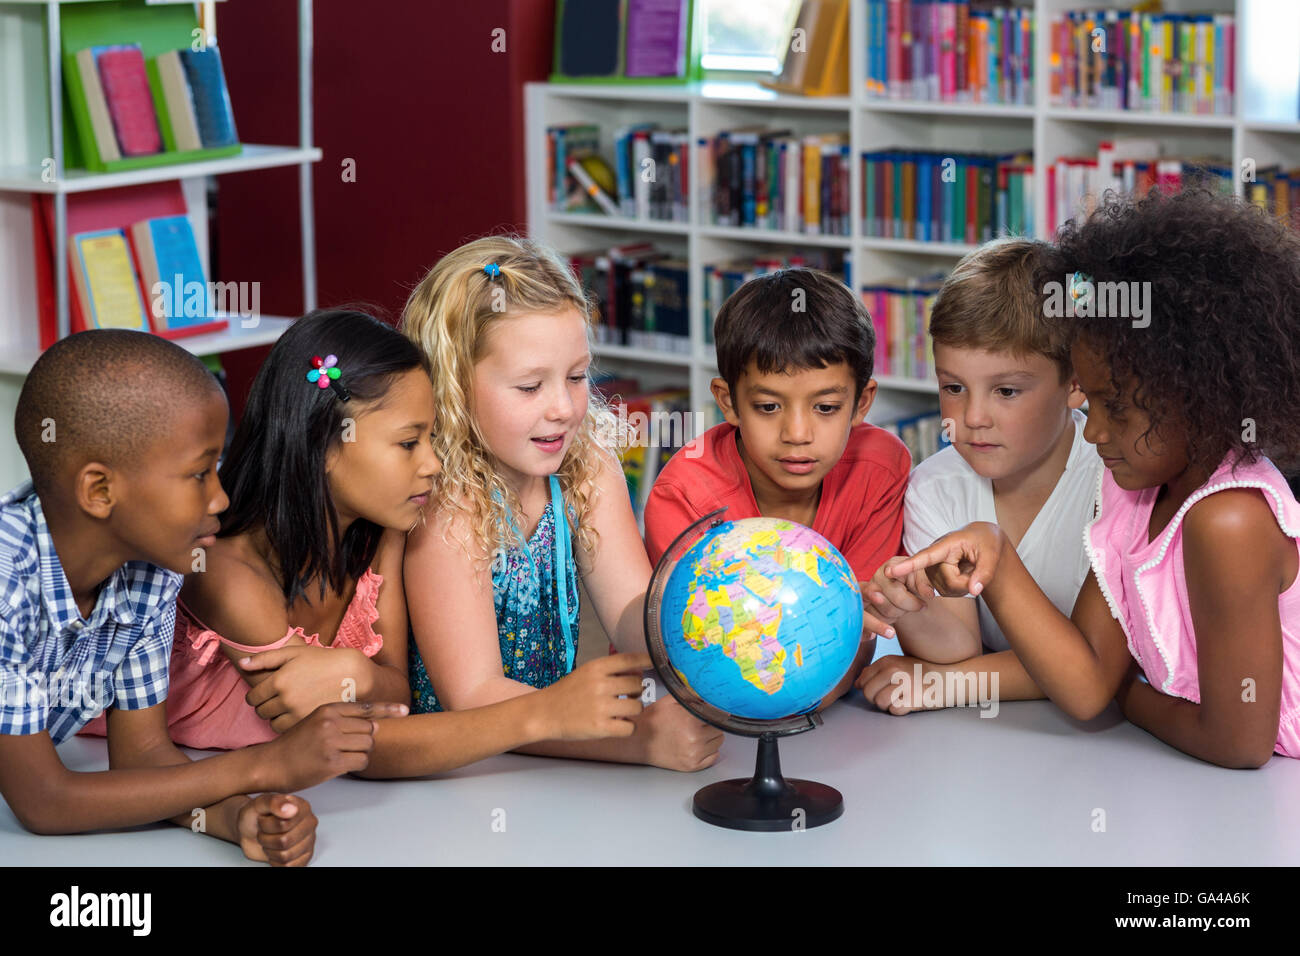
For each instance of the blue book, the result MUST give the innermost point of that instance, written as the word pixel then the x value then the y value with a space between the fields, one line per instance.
pixel 172 272
pixel 211 98
pixel 924 195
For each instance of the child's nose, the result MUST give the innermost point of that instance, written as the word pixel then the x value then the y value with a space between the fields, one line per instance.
pixel 796 428
pixel 977 413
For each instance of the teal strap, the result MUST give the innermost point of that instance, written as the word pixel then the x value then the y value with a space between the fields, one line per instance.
pixel 563 555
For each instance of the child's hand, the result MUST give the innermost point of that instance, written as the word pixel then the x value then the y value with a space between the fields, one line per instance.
pixel 303 677
pixel 886 599
pixel 675 739
pixel 277 828
pixel 959 564
pixel 599 699
pixel 333 740
pixel 879 686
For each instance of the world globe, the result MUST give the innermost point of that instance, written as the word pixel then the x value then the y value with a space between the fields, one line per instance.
pixel 750 624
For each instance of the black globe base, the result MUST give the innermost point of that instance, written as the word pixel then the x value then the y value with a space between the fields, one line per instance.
pixel 768 802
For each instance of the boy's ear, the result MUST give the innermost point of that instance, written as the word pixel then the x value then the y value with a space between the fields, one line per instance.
pixel 1075 397
pixel 94 489
pixel 722 395
pixel 864 402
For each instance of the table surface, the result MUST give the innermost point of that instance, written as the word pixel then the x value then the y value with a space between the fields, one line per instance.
pixel 1027 786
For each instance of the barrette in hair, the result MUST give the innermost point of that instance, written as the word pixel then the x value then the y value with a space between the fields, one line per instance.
pixel 1081 289
pixel 493 271
pixel 325 374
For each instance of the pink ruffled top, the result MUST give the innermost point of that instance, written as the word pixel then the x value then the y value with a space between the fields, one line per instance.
pixel 205 701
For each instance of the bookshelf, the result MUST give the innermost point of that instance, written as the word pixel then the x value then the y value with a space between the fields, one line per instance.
pixel 1265 127
pixel 32 161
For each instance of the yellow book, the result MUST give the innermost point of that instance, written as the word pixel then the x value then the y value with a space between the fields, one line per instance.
pixel 107 286
pixel 812 184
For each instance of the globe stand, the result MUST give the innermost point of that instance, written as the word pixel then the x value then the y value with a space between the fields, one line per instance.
pixel 768 801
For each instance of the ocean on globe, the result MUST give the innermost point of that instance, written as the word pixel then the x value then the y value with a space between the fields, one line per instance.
pixel 761 617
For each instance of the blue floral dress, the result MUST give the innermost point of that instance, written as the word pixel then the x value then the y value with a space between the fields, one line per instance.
pixel 526 598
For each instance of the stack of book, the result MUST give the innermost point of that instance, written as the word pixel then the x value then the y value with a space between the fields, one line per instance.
pixel 932 196
pixel 923 434
pixel 723 278
pixel 1277 191
pixel 642 294
pixel 659 423
pixel 648 179
pixel 950 51
pixel 900 315
pixel 772 179
pixel 1132 166
pixel 1130 60
pixel 125 106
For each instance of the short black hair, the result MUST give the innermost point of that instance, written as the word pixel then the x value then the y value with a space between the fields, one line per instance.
pixel 767 321
pixel 274 472
pixel 103 395
pixel 1221 347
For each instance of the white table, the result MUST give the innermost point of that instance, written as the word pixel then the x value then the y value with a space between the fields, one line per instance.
pixel 945 787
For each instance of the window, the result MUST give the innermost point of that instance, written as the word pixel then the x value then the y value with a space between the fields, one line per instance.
pixel 747 34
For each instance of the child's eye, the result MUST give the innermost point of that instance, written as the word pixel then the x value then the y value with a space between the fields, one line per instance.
pixel 765 407
pixel 529 388
pixel 202 475
pixel 951 389
pixel 1008 392
pixel 828 409
pixel 578 378
pixel 408 445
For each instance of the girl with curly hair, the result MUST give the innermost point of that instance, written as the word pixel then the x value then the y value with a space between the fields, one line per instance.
pixel 1190 618
pixel 531 496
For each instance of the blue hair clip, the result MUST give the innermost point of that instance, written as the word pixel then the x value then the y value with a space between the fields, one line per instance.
pixel 493 270
pixel 1081 289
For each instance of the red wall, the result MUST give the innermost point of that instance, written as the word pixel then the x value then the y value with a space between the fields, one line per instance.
pixel 411 91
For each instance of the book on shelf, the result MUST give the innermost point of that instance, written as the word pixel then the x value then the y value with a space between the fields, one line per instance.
pixel 642 296
pixel 935 196
pixel 763 178
pixel 900 317
pixel 85 73
pixel 625 41
pixel 104 280
pixel 1075 184
pixel 816 60
pixel 721 279
pixel 1143 60
pixel 1277 190
pixel 171 277
pixel 125 87
pixel 924 434
pixel 207 83
pixel 657 422
pixel 176 111
pixel 950 51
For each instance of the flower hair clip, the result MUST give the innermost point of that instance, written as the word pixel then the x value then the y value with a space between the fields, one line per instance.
pixel 1081 290
pixel 493 271
pixel 325 374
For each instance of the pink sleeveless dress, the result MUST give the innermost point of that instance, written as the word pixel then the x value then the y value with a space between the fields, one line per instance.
pixel 205 698
pixel 1145 587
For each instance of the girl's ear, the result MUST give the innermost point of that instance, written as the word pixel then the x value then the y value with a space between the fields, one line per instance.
pixel 1075 397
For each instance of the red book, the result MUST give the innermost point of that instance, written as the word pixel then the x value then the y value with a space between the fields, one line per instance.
pixel 130 104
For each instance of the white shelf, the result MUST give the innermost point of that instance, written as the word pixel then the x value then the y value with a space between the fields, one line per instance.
pixel 781 237
pixel 923 385
pixel 957 249
pixel 233 338
pixel 938 108
pixel 632 354
pixel 1271 127
pixel 1141 118
pixel 598 221
pixel 28 179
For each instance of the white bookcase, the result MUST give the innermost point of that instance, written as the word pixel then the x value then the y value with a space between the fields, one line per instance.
pixel 1264 128
pixel 31 138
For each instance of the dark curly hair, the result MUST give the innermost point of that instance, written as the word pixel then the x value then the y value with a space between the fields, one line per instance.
pixel 1223 340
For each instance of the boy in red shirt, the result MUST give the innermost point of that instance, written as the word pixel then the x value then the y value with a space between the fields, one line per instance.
pixel 795 350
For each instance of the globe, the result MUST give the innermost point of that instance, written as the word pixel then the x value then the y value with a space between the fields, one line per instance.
pixel 761 617
pixel 750 624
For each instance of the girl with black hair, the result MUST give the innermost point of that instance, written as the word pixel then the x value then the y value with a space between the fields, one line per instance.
pixel 1195 540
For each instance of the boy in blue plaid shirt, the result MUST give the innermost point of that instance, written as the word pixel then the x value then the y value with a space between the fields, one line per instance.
pixel 121 431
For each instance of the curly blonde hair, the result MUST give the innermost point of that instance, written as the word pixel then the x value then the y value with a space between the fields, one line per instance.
pixel 449 315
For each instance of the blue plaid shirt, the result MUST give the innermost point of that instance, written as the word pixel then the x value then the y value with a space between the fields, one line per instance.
pixel 57 669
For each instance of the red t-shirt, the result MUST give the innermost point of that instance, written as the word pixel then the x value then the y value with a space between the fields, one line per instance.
pixel 860 511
